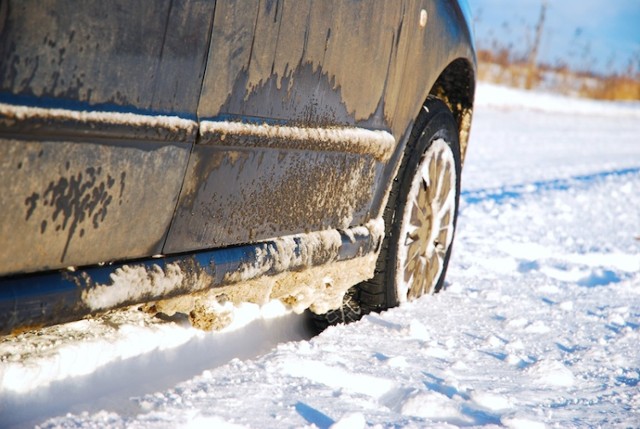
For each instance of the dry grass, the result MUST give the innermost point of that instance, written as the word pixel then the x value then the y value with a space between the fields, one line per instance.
pixel 501 67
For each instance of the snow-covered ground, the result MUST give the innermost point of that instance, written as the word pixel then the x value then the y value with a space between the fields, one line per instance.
pixel 539 325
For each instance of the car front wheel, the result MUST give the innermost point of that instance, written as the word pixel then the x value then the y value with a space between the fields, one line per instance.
pixel 420 220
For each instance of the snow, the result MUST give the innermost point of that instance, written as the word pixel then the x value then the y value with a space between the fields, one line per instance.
pixel 502 97
pixel 538 326
pixel 148 282
pixel 83 354
pixel 171 123
pixel 283 258
pixel 378 143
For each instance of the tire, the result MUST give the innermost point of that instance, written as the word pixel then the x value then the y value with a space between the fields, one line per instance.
pixel 426 191
pixel 350 311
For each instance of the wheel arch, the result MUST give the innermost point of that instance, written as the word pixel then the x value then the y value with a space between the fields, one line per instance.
pixel 455 86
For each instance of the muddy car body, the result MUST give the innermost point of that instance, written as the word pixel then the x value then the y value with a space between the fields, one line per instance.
pixel 220 148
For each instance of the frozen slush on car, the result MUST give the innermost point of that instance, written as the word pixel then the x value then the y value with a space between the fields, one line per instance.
pixel 182 155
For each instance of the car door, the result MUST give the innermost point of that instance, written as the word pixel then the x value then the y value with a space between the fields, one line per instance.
pixel 98 104
pixel 293 133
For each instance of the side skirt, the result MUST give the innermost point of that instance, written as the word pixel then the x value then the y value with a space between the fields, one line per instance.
pixel 311 270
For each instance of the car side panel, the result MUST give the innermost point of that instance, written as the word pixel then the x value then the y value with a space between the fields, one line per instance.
pixel 312 64
pixel 243 195
pixel 427 51
pixel 286 63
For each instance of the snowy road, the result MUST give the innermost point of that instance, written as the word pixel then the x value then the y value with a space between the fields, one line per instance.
pixel 539 325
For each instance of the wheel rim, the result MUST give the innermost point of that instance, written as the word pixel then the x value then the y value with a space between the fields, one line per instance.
pixel 427 223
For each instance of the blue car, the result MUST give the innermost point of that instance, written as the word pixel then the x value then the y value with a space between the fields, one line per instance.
pixel 176 153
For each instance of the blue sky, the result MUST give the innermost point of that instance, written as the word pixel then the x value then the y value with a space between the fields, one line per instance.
pixel 598 35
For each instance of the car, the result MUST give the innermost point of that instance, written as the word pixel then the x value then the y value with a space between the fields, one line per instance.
pixel 180 155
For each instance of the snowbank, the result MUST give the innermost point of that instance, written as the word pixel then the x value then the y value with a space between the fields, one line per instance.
pixel 496 96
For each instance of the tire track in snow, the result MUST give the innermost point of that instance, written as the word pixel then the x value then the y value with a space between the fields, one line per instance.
pixel 513 192
pixel 553 209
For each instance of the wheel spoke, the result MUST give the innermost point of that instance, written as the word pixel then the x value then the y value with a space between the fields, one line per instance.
pixel 446 185
pixel 433 271
pixel 433 175
pixel 423 200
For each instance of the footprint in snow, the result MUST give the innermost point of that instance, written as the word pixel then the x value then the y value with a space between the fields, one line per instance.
pixel 337 378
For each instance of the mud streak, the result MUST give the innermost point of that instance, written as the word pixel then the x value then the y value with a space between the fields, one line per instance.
pixel 73 201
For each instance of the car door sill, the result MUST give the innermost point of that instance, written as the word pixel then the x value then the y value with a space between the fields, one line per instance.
pixel 332 260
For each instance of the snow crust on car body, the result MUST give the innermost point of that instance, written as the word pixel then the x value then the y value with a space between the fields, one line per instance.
pixel 134 282
pixel 379 144
pixel 319 289
pixel 169 123
pixel 303 271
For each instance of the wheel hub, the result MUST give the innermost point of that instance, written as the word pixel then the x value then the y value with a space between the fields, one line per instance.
pixel 427 225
